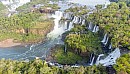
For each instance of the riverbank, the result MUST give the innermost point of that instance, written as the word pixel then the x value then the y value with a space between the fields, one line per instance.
pixel 26 34
pixel 8 43
pixel 11 42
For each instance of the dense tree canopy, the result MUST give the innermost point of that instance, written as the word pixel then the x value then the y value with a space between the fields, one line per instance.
pixel 25 27
pixel 78 11
pixel 123 64
pixel 41 67
pixel 82 40
pixel 115 20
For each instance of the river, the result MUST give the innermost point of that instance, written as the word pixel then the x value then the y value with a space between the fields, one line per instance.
pixel 40 50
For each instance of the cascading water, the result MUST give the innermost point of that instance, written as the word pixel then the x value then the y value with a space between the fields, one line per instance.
pixel 110 46
pixel 90 58
pixel 43 48
pixel 90 26
pixel 92 62
pixel 40 50
pixel 104 39
pixel 97 61
pixel 83 22
pixel 94 29
pixel 76 20
pixel 66 27
pixel 70 25
pixel 13 4
pixel 110 59
pixel 97 29
pixel 80 20
pixel 57 30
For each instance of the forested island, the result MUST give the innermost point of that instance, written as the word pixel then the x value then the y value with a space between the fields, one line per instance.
pixel 72 40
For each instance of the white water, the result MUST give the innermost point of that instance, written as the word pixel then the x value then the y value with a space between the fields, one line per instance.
pixel 92 60
pixel 66 22
pixel 110 46
pixel 13 4
pixel 83 22
pixel 97 29
pixel 74 19
pixel 90 26
pixel 104 39
pixel 97 61
pixel 70 25
pixel 94 29
pixel 57 31
pixel 110 59
pixel 80 21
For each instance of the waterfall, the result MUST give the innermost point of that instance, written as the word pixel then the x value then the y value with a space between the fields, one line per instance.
pixel 66 25
pixel 110 59
pixel 97 61
pixel 57 30
pixel 110 46
pixel 70 25
pixel 71 17
pixel 66 15
pixel 92 60
pixel 13 4
pixel 94 29
pixel 90 26
pixel 80 20
pixel 74 19
pixel 104 39
pixel 83 22
pixel 97 29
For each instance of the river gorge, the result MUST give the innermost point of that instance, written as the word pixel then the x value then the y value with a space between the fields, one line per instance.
pixel 42 50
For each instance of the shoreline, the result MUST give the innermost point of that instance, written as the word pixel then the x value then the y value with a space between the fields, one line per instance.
pixel 9 43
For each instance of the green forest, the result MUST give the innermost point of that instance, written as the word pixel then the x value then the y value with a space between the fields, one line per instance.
pixel 30 25
pixel 41 67
pixel 25 27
